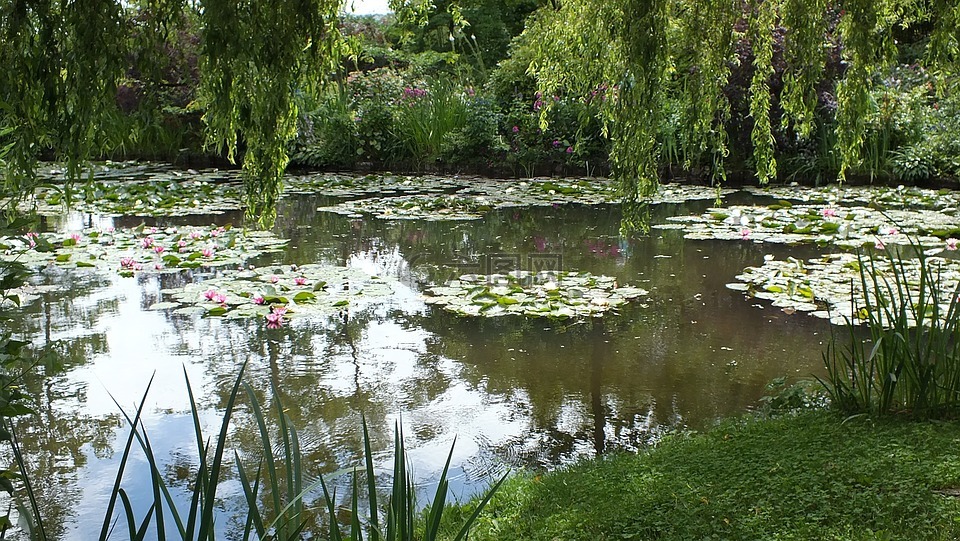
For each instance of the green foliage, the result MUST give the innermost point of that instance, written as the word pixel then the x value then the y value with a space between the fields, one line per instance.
pixel 796 477
pixel 911 364
pixel 254 56
pixel 426 115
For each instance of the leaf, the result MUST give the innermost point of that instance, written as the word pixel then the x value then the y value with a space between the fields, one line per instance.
pixel 216 311
pixel 85 264
pixel 304 296
pixel 338 304
pixel 63 258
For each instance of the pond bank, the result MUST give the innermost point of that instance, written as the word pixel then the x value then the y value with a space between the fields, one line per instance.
pixel 805 476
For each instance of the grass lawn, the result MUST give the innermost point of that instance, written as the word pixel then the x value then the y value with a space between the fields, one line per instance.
pixel 808 476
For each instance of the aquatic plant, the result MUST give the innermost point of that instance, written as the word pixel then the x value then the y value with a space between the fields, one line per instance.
pixel 911 362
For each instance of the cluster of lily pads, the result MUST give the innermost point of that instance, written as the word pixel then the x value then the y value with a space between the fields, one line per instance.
pixel 904 197
pixel 555 295
pixel 277 293
pixel 482 196
pixel 142 191
pixel 358 186
pixel 847 227
pixel 825 286
pixel 151 249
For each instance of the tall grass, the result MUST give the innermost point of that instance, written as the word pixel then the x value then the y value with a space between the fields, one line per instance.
pixel 911 363
pixel 274 492
pixel 426 117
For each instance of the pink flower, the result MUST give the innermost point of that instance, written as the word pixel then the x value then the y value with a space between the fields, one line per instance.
pixel 210 294
pixel 158 266
pixel 556 143
pixel 300 280
pixel 516 129
pixel 293 266
pixel 569 150
pixel 127 262
pixel 951 244
pixel 152 230
pixel 76 237
pixel 888 231
pixel 137 267
pixel 274 320
pixel 181 243
pixel 258 298
pixel 110 229
pixel 879 245
pixel 744 234
pixel 207 252
pixel 32 235
pixel 195 235
pixel 146 242
pixel 829 213
pixel 219 298
pixel 158 249
pixel 274 279
pixel 215 233
pixel 33 243
pixel 280 310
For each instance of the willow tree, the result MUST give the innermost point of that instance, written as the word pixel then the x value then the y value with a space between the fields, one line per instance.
pixel 63 60
pixel 657 55
pixel 256 55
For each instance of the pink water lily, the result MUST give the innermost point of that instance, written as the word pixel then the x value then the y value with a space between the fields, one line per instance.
pixel 76 237
pixel 219 298
pixel 137 267
pixel 207 252
pixel 152 230
pixel 300 280
pixel 195 235
pixel 280 309
pixel 888 231
pixel 829 213
pixel 181 243
pixel 258 298
pixel 274 279
pixel 274 320
pixel 744 234
pixel 879 245
pixel 951 244
pixel 210 294
pixel 110 229
pixel 127 262
pixel 146 242
pixel 158 249
pixel 158 266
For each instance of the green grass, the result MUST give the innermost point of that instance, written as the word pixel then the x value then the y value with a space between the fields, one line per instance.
pixel 807 477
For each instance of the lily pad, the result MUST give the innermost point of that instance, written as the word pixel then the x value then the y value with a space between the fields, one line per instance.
pixel 143 249
pixel 848 227
pixel 287 290
pixel 555 295
pixel 823 286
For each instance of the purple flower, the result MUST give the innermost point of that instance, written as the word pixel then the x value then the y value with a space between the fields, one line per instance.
pixel 951 244
pixel 556 143
pixel 516 129
pixel 569 150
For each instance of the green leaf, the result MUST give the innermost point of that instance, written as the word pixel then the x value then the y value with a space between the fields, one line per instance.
pixel 216 311
pixel 63 258
pixel 304 296
pixel 338 304
pixel 83 264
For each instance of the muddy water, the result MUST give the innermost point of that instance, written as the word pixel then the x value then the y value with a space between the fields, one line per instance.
pixel 512 392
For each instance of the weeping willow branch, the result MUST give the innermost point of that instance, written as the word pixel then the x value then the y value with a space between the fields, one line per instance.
pixel 256 55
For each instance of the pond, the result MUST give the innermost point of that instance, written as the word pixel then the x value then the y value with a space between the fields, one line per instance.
pixel 512 391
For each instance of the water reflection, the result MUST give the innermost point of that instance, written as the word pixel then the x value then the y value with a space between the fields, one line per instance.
pixel 513 392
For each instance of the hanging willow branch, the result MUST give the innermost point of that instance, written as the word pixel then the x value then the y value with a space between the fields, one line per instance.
pixel 256 55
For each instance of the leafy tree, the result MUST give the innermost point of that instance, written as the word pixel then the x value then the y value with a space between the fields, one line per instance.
pixel 648 54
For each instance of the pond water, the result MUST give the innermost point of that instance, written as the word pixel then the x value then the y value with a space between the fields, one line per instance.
pixel 513 392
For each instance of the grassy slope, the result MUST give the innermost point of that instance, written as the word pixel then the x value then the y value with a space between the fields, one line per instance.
pixel 803 477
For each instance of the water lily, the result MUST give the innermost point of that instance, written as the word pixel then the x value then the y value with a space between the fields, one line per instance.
pixel 829 212
pixel 137 267
pixel 158 249
pixel 152 230
pixel 158 266
pixel 76 237
pixel 951 244
pixel 127 262
pixel 888 231
pixel 146 242
pixel 744 234
pixel 280 309
pixel 274 320
pixel 219 298
pixel 258 298
pixel 195 235
pixel 879 245
pixel 274 279
pixel 110 229
pixel 300 280
pixel 181 243
pixel 207 252
pixel 210 294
